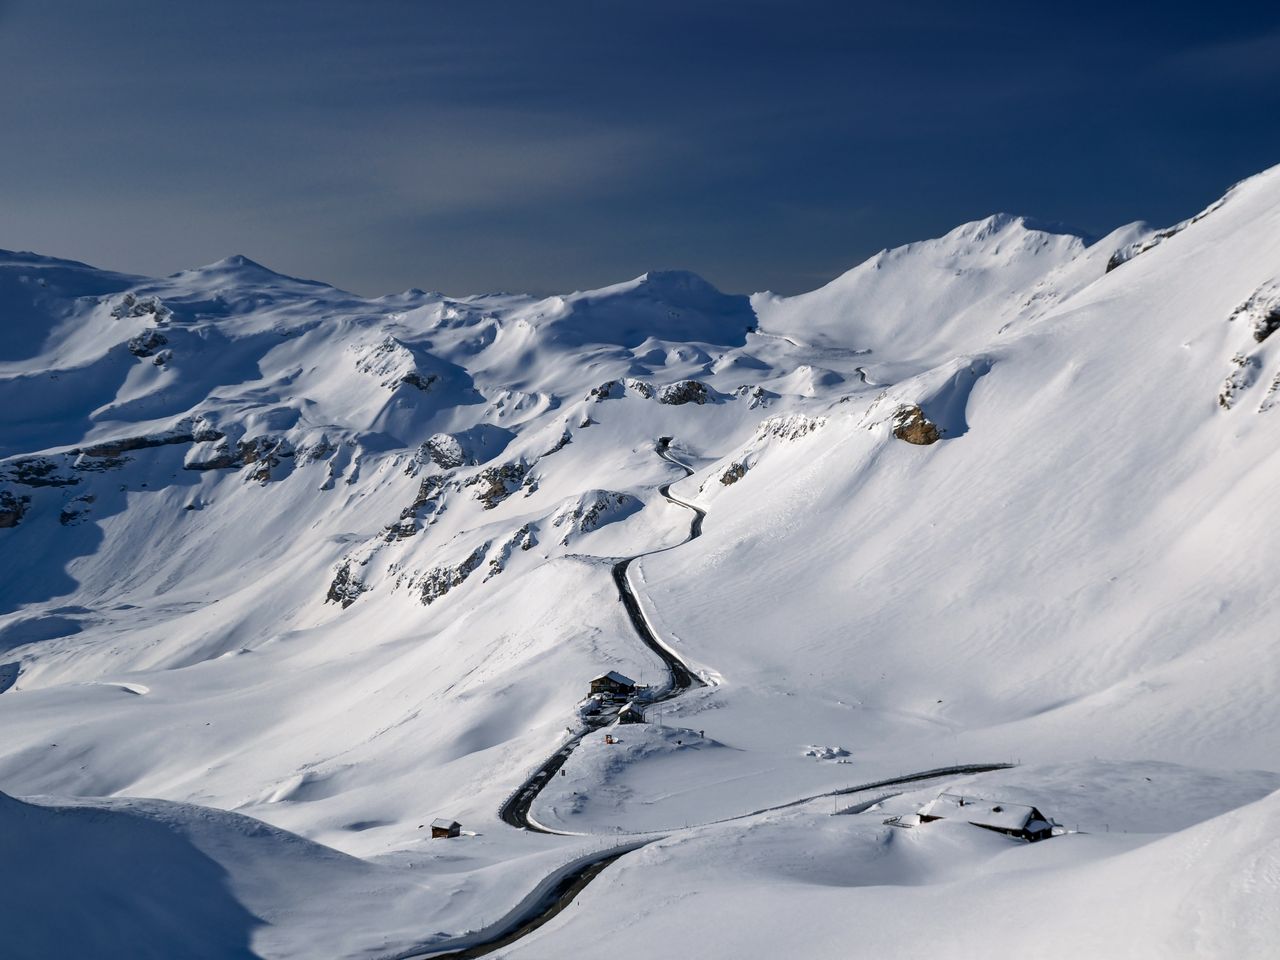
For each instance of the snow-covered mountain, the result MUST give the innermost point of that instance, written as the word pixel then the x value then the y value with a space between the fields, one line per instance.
pixel 276 552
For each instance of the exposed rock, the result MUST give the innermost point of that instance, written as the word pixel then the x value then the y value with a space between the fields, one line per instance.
pixel 683 391
pixel 523 538
pixel 584 423
pixel 429 489
pixel 393 363
pixel 756 396
pixel 640 388
pixel 322 449
pixel 88 464
pixel 791 427
pixel 607 390
pixel 345 588
pixel 131 305
pixel 441 580
pixel 263 453
pixel 911 425
pixel 444 451
pixel 735 473
pixel 1125 254
pixel 591 510
pixel 1272 397
pixel 75 509
pixel 497 483
pixel 113 448
pixel 1261 311
pixel 147 343
pixel 38 472
pixel 1241 378
pixel 217 455
pixel 12 509
pixel 566 438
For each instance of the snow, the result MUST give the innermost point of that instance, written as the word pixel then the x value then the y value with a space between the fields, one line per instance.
pixel 1076 576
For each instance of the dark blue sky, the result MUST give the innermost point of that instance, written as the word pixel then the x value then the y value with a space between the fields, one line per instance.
pixel 477 145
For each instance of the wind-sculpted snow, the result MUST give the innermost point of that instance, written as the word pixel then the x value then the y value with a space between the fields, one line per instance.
pixel 358 552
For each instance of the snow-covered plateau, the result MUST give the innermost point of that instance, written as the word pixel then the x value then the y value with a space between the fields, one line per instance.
pixel 288 574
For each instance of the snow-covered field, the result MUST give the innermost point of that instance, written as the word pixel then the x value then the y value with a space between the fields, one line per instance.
pixel 310 570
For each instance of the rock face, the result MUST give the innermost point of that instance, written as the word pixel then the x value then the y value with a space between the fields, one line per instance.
pixel 445 451
pixel 76 509
pixel 523 538
pixel 147 343
pixel 606 390
pixel 911 425
pixel 1125 254
pixel 735 473
pixel 38 472
pixel 263 453
pixel 345 588
pixel 593 509
pixel 683 391
pixel 394 363
pixel 131 305
pixel 1244 374
pixel 640 388
pixel 1261 311
pixel 12 509
pixel 497 483
pixel 441 580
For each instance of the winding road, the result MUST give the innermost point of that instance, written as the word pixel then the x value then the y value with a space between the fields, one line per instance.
pixel 515 811
pixel 559 889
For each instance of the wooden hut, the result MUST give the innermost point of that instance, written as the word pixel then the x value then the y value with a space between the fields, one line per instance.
pixel 442 827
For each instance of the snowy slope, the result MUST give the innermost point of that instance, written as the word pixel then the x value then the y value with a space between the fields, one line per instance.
pixel 343 565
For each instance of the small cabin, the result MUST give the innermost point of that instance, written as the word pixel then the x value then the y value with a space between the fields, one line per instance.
pixel 441 828
pixel 613 684
pixel 1012 819
pixel 631 713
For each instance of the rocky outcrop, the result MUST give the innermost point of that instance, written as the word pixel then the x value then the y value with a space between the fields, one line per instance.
pixel 566 438
pixel 640 388
pixel 1243 375
pixel 733 474
pixel 131 305
pixel 607 390
pixel 429 490
pixel 346 587
pixel 497 483
pixel 445 451
pixel 1261 311
pixel 441 580
pixel 1125 254
pixel 684 391
pixel 792 427
pixel 39 472
pixel 522 538
pixel 394 363
pixel 147 343
pixel 911 425
pixel 76 509
pixel 263 453
pixel 592 509
pixel 756 396
pixel 12 508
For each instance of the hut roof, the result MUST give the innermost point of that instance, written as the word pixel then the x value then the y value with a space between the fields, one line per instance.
pixel 443 823
pixel 616 677
pixel 984 813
